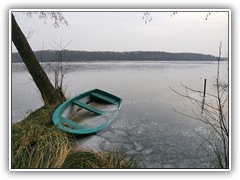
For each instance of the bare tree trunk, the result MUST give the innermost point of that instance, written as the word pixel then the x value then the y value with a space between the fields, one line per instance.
pixel 49 94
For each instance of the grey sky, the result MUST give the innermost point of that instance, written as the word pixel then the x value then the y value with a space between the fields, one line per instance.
pixel 126 31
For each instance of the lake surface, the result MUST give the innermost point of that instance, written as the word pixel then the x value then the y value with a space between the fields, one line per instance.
pixel 147 125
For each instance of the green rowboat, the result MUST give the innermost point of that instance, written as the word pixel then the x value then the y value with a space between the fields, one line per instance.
pixel 87 113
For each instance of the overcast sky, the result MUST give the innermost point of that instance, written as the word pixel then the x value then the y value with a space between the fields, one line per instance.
pixel 127 31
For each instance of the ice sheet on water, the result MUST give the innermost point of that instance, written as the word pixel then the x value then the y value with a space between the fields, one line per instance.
pixel 94 142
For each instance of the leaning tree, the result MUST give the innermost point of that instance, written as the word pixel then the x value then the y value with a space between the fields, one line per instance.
pixel 49 94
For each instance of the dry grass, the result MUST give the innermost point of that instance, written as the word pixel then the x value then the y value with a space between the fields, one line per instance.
pixel 42 116
pixel 36 146
pixel 36 143
pixel 89 159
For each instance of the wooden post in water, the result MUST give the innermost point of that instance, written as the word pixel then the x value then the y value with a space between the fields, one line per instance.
pixel 204 92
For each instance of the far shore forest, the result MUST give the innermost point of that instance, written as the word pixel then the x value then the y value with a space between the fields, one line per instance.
pixel 75 56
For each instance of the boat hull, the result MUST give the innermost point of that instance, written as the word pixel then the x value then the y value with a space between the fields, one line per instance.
pixel 87 113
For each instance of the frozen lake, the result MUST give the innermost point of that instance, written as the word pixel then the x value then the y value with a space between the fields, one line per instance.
pixel 146 124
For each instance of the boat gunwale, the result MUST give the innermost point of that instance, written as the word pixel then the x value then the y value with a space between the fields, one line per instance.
pixel 60 109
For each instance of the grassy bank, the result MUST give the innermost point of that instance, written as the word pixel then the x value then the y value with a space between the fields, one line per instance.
pixel 36 143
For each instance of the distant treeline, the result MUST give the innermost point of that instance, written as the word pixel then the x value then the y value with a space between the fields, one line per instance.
pixel 74 56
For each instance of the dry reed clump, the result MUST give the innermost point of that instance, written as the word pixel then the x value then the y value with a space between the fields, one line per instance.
pixel 37 146
pixel 89 159
pixel 36 143
pixel 42 116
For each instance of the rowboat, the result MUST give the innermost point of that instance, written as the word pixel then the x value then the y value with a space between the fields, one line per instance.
pixel 88 112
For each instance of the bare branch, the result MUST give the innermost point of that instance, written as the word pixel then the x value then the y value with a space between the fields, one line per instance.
pixel 193 99
pixel 147 17
pixel 197 91
pixel 174 13
pixel 29 34
pixel 208 14
pixel 214 116
pixel 56 17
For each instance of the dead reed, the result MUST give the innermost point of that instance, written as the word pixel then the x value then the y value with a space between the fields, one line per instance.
pixel 36 146
pixel 36 143
pixel 89 159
